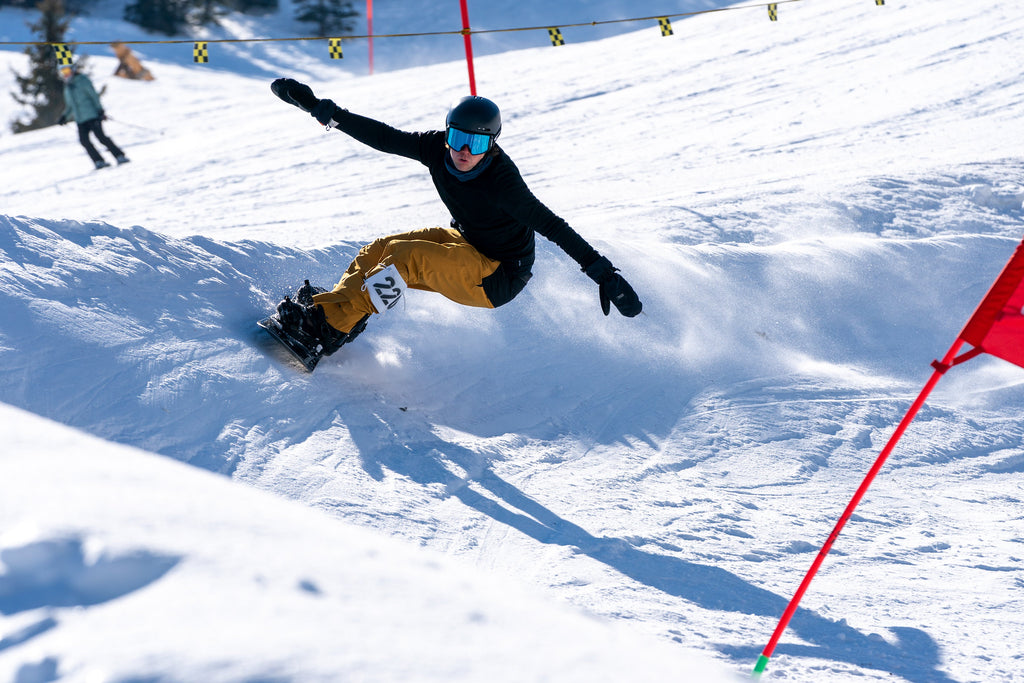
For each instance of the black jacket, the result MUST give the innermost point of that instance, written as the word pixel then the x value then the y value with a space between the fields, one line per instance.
pixel 495 212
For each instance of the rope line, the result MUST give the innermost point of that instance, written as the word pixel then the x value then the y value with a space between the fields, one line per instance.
pixel 459 32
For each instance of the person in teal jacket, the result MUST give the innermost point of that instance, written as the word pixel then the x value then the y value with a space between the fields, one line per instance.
pixel 82 105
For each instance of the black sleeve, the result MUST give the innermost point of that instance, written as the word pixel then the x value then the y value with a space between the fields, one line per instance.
pixel 383 137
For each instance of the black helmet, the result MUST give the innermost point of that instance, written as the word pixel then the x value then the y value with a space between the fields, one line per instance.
pixel 475 115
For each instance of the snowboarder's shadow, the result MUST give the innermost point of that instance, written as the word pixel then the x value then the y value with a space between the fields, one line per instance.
pixel 428 460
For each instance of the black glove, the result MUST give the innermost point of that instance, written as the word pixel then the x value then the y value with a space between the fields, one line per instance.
pixel 324 112
pixel 613 288
pixel 295 93
pixel 103 115
pixel 62 120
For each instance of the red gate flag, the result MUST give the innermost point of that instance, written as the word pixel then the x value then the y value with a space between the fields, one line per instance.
pixel 996 328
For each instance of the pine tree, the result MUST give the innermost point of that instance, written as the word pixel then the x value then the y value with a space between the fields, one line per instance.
pixel 42 89
pixel 331 17
pixel 255 6
pixel 164 16
pixel 205 12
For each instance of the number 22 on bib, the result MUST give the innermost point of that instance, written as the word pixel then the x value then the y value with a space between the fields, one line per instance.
pixel 386 288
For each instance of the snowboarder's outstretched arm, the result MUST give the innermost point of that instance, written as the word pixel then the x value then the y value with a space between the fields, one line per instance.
pixel 380 136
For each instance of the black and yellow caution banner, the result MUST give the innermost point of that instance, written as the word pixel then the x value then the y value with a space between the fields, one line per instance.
pixel 63 53
pixel 200 51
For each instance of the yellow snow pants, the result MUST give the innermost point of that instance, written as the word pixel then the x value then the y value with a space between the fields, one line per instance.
pixel 432 259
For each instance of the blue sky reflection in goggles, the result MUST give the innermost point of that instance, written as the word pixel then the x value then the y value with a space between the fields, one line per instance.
pixel 478 143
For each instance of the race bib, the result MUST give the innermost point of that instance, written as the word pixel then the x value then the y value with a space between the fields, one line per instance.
pixel 385 288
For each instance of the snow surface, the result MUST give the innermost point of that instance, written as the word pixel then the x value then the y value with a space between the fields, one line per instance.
pixel 810 210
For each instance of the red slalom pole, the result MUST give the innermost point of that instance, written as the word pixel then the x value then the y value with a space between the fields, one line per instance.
pixel 369 30
pixel 940 369
pixel 469 47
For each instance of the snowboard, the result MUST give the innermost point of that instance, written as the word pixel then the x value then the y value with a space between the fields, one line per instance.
pixel 298 348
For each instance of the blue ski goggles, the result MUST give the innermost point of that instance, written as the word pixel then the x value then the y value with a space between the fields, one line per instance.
pixel 478 143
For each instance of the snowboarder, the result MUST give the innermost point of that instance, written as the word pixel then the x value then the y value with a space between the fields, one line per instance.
pixel 484 259
pixel 82 104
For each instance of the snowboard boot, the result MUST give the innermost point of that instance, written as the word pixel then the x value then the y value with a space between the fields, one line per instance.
pixel 308 325
pixel 100 163
pixel 122 160
pixel 329 338
pixel 357 328
pixel 292 317
pixel 305 294
pixel 339 339
pixel 306 322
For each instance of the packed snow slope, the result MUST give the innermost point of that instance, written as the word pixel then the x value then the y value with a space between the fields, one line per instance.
pixel 810 210
pixel 191 577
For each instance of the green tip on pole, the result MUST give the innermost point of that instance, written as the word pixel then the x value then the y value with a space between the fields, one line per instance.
pixel 759 668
